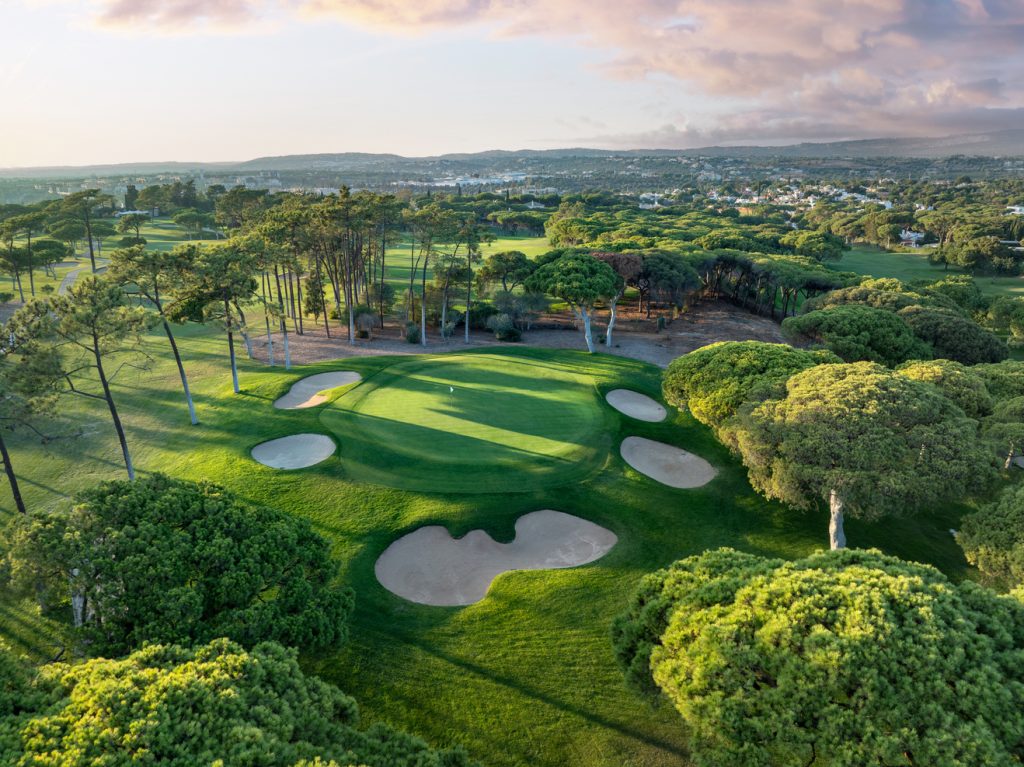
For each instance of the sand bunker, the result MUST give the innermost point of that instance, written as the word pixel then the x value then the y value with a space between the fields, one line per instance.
pixel 430 567
pixel 307 391
pixel 636 405
pixel 295 452
pixel 666 464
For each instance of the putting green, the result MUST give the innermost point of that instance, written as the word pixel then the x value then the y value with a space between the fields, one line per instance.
pixel 471 423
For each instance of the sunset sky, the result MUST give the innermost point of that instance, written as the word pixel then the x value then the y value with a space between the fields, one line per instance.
pixel 90 81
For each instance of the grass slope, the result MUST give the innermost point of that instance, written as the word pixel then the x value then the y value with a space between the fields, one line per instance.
pixel 471 423
pixel 526 676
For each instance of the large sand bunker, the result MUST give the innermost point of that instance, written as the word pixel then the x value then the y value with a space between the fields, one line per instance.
pixel 307 391
pixel 636 405
pixel 295 452
pixel 669 465
pixel 430 567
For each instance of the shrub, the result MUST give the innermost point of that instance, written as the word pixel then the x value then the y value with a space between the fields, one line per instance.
pixel 504 328
pixel 412 333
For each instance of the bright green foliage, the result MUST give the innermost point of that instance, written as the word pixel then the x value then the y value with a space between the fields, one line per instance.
pixel 821 246
pixel 953 336
pixel 163 560
pixel 883 443
pixel 959 383
pixel 868 293
pixel 1004 380
pixel 859 333
pixel 843 659
pixel 961 289
pixel 213 705
pixel 1005 428
pixel 993 537
pixel 715 380
pixel 697 583
pixel 882 293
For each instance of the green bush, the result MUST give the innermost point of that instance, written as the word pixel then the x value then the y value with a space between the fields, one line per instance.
pixel 166 560
pixel 412 333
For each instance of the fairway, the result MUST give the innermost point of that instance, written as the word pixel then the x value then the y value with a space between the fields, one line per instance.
pixel 471 424
pixel 873 261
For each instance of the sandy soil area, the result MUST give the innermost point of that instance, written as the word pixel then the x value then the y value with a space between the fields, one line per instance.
pixel 667 464
pixel 636 405
pixel 307 392
pixel 295 452
pixel 430 567
pixel 704 324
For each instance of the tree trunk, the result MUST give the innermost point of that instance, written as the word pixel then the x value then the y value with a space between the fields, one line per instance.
pixel 113 408
pixel 245 334
pixel 266 320
pixel 612 312
pixel 423 304
pixel 231 346
pixel 587 334
pixel 323 299
pixel 284 321
pixel 92 252
pixel 181 372
pixel 836 535
pixel 469 293
pixel 19 503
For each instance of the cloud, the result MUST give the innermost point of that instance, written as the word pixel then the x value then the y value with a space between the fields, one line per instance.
pixel 180 15
pixel 910 66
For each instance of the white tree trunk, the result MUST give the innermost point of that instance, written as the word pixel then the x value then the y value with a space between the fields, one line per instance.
pixel 587 334
pixel 836 535
pixel 612 313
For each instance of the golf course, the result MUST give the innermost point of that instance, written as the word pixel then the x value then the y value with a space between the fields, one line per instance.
pixel 470 442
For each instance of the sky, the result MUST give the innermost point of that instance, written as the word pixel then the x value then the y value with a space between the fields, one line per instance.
pixel 104 81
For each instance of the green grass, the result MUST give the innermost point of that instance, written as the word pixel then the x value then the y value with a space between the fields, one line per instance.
pixel 527 675
pixel 457 423
pixel 397 262
pixel 874 261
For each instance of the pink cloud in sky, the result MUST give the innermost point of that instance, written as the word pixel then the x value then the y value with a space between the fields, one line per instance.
pixel 836 68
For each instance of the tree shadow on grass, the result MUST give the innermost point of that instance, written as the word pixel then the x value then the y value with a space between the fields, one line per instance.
pixel 522 688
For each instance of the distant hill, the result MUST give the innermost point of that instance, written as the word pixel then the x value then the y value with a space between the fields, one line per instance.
pixel 996 144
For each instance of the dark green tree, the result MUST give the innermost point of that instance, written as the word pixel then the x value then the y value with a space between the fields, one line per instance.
pixel 864 439
pixel 859 333
pixel 165 560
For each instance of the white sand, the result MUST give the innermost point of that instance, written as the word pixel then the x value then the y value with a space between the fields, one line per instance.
pixel 666 464
pixel 636 405
pixel 307 392
pixel 295 452
pixel 430 567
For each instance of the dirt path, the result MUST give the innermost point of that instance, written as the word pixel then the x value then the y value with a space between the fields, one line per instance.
pixel 703 325
pixel 70 277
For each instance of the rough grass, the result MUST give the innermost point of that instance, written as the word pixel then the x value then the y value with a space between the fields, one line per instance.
pixel 527 675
